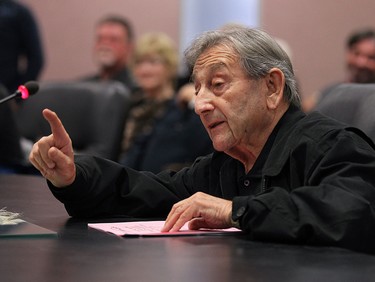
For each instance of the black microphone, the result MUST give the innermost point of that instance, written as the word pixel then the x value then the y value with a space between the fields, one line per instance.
pixel 23 91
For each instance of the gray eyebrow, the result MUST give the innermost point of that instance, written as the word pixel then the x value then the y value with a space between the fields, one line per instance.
pixel 212 68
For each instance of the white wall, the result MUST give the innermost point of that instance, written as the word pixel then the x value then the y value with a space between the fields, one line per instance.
pixel 198 16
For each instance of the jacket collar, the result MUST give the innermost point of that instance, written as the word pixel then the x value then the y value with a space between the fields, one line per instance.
pixel 282 134
pixel 271 159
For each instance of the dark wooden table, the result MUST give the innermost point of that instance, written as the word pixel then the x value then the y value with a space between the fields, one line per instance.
pixel 82 254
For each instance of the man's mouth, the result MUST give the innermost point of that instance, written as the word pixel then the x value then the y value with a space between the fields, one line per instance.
pixel 215 124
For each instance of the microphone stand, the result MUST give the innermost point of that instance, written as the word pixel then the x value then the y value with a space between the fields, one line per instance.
pixel 9 97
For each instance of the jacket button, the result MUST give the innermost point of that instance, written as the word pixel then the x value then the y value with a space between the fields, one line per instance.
pixel 246 183
pixel 240 211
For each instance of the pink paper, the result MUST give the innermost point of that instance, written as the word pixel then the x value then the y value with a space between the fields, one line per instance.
pixel 152 228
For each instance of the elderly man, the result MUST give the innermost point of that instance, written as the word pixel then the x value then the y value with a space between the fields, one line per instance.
pixel 277 174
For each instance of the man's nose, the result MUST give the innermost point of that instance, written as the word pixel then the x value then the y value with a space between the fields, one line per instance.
pixel 203 102
pixel 362 61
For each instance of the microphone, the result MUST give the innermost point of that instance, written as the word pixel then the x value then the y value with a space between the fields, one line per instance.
pixel 23 91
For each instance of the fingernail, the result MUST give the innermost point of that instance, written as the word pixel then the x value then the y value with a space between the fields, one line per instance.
pixel 51 165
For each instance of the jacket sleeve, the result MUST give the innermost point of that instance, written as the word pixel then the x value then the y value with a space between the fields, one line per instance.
pixel 105 188
pixel 333 203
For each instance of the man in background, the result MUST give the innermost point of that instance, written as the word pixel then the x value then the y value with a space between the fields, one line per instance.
pixel 360 57
pixel 359 61
pixel 112 50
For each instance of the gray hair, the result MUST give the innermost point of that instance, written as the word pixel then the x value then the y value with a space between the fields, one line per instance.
pixel 258 53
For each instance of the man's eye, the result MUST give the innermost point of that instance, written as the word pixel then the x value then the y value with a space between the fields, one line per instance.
pixel 217 85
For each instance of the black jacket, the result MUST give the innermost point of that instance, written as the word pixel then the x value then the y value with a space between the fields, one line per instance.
pixel 177 138
pixel 313 183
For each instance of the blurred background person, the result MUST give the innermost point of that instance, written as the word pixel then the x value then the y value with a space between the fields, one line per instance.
pixel 160 133
pixel 21 60
pixel 359 62
pixel 360 57
pixel 112 51
pixel 21 52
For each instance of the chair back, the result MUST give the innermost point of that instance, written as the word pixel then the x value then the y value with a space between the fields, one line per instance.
pixel 353 104
pixel 11 154
pixel 93 114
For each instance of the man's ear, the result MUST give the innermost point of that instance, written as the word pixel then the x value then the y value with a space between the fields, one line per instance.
pixel 275 81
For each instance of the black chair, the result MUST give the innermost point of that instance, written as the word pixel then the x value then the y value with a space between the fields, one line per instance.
pixel 11 155
pixel 353 104
pixel 93 114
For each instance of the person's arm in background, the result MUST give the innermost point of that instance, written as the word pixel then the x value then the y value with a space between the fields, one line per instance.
pixel 186 96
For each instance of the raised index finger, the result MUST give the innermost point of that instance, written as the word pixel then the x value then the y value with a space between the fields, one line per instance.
pixel 60 135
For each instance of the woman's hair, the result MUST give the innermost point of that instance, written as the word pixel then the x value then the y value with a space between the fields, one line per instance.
pixel 158 44
pixel 257 51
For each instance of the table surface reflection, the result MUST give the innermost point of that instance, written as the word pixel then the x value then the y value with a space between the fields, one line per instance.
pixel 82 254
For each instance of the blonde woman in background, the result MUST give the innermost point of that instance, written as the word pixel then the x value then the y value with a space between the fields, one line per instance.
pixel 158 133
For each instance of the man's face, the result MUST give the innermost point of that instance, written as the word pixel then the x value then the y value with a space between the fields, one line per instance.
pixel 112 47
pixel 231 105
pixel 361 62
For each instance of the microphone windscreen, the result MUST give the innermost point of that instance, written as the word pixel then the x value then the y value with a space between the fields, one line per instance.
pixel 32 87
